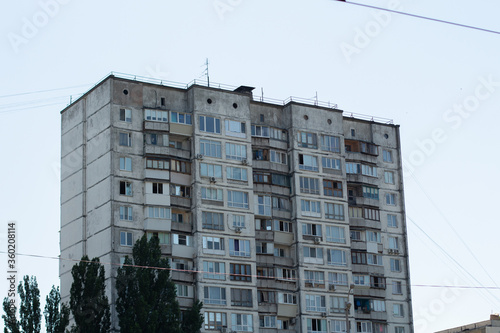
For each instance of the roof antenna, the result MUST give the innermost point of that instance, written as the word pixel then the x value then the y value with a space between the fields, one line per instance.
pixel 206 72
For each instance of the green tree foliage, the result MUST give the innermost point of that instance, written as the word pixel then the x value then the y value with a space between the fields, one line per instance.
pixel 88 301
pixel 29 310
pixel 146 296
pixel 11 325
pixel 192 320
pixel 56 314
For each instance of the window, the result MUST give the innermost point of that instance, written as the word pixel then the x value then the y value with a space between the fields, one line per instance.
pixel 180 191
pixel 210 170
pixel 370 192
pixel 182 290
pixel 315 303
pixel 126 163
pixel 373 237
pixel 214 270
pixel 180 118
pixel 361 280
pixel 180 216
pixel 240 272
pixel 126 188
pixel 261 131
pixel 157 212
pixel 313 253
pixel 334 211
pixel 261 177
pixel 338 325
pixel 277 157
pixel 237 199
pixel 390 199
pixel 393 243
pixel 163 237
pixel 239 248
pixel 371 214
pixel 157 164
pixel 182 240
pixel 374 259
pixel 330 163
pixel 266 296
pixel 265 273
pixel 377 282
pixel 242 322
pixel 399 329
pixel 125 238
pixel 157 188
pixel 235 128
pixel 308 140
pixel 335 234
pixel 310 208
pixel 389 177
pixel 267 321
pixel 332 188
pixel 278 134
pixel 379 327
pixel 369 170
pixel 309 185
pixel 262 205
pixel 337 304
pixel 395 265
pixel 387 156
pixel 262 224
pixel 280 180
pixel 314 278
pixel 172 143
pixel 358 258
pixel 181 166
pixel 215 295
pixel 398 310
pixel 369 148
pixel 210 148
pixel 215 320
pixel 236 173
pixel 363 327
pixel 125 213
pixel 356 212
pixel 308 162
pixel 339 279
pixel 281 251
pixel 214 221
pixel 330 143
pixel 281 203
pixel 356 235
pixel 213 243
pixel 238 221
pixel 336 257
pixel 236 152
pixel 310 229
pixel 377 305
pixel 156 115
pixel 126 139
pixel 285 274
pixel 260 154
pixel 316 325
pixel 287 298
pixel 352 168
pixel 392 221
pixel 211 194
pixel 241 297
pixel 126 115
pixel 282 226
pixel 209 124
pixel 157 139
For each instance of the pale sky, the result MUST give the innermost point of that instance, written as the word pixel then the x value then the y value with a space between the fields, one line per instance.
pixel 440 82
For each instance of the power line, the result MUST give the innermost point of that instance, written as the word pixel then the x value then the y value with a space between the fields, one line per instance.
pixel 422 17
pixel 41 91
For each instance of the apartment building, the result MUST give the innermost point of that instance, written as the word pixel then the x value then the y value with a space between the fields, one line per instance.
pixel 278 216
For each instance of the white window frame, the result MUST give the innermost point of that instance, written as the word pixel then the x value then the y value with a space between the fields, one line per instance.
pixel 387 156
pixel 125 139
pixel 330 163
pixel 263 205
pixel 126 115
pixel 236 151
pixel 243 247
pixel 237 204
pixel 390 199
pixel 235 128
pixel 187 118
pixel 126 213
pixel 214 270
pixel 330 143
pixel 212 194
pixel 389 177
pixel 243 174
pixel 392 221
pixel 309 162
pixel 156 115
pixel 310 208
pixel 211 170
pixel 336 257
pixel 335 234
pixel 211 148
pixel 278 157
pixel 126 238
pixel 203 124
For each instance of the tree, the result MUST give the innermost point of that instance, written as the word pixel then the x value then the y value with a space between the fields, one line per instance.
pixel 11 325
pixel 88 301
pixel 29 310
pixel 56 314
pixel 146 295
pixel 193 319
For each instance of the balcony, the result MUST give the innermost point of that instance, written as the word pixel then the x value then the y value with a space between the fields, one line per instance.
pixel 156 126
pixel 272 283
pixel 157 224
pixel 358 178
pixel 157 174
pixel 182 276
pixel 361 157
pixel 269 260
pixel 185 227
pixel 172 152
pixel 180 202
pixel 364 223
pixel 268 307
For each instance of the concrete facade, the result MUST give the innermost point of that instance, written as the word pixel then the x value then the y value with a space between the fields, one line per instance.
pixel 268 212
pixel 487 326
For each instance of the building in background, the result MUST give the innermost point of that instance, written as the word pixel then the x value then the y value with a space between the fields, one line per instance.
pixel 487 326
pixel 275 215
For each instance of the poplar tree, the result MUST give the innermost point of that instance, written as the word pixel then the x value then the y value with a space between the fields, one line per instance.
pixel 30 316
pixel 56 314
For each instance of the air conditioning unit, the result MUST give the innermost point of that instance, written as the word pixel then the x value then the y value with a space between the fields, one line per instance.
pixel 331 287
pixel 199 156
pixel 323 314
pixel 212 179
pixel 244 161
pixel 395 251
pixel 391 251
pixel 237 230
pixel 223 330
pixel 292 321
pixel 317 240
